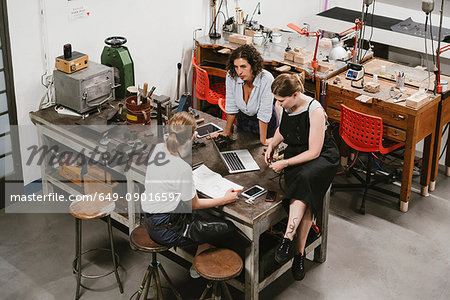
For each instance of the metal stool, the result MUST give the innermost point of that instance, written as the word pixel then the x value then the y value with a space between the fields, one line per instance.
pixel 142 242
pixel 90 210
pixel 218 265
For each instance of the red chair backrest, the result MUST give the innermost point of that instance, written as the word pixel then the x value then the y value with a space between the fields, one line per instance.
pixel 360 131
pixel 201 81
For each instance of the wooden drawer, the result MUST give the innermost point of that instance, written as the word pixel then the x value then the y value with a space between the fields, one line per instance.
pixel 389 117
pixel 390 132
pixel 394 134
pixel 334 114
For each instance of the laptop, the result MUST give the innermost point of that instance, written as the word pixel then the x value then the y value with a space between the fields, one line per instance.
pixel 237 161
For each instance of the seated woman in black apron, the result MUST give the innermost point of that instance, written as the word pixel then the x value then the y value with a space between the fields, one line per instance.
pixel 310 162
pixel 172 207
pixel 248 95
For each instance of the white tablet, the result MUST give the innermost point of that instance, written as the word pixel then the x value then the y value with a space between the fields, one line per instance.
pixel 207 128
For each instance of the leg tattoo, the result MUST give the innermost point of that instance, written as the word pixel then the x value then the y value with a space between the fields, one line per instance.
pixel 292 226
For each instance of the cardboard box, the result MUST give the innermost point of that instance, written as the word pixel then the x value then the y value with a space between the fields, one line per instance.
pixel 240 39
pixel 99 173
pixel 417 100
pixel 94 185
pixel 71 173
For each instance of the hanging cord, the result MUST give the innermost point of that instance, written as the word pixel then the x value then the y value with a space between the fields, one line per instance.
pixel 432 42
pixel 446 143
pixel 361 40
pixel 394 165
pixel 371 30
pixel 215 19
pixel 349 166
pixel 426 53
pixel 47 99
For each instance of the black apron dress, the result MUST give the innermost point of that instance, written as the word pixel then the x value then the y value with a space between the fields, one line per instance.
pixel 309 181
pixel 251 123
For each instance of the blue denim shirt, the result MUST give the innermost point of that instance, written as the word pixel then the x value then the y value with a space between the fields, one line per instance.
pixel 261 99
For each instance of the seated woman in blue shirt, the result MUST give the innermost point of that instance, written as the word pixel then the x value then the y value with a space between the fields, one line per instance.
pixel 248 95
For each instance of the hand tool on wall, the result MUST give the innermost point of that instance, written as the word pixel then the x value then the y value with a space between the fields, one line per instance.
pixel 178 80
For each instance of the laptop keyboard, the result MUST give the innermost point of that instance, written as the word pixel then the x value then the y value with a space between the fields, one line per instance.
pixel 233 161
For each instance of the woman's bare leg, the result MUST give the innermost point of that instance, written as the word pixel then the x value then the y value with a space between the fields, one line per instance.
pixel 296 211
pixel 303 230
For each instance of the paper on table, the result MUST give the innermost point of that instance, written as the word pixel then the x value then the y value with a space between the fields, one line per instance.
pixel 211 183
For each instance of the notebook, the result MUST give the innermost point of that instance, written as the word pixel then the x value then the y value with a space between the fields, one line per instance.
pixel 237 161
pixel 212 184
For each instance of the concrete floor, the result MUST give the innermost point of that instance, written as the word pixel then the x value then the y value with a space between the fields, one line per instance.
pixel 384 254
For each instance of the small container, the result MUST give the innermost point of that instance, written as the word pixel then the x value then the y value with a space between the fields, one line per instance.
pixel 383 70
pixel 375 78
pixel 132 90
pixel 400 82
pixel 276 37
pixel 258 39
pixel 240 28
pixel 444 84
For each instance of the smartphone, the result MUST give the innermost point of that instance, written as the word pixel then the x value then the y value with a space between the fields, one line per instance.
pixel 271 196
pixel 253 192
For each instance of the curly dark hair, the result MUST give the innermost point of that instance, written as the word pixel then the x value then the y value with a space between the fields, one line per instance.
pixel 249 53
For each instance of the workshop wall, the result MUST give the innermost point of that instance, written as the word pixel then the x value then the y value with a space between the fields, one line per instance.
pixel 399 9
pixel 159 36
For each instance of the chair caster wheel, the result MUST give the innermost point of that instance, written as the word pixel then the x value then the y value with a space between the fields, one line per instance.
pixel 362 211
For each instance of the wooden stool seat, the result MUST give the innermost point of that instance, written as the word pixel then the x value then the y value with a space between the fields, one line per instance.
pixel 142 242
pixel 218 264
pixel 140 239
pixel 90 210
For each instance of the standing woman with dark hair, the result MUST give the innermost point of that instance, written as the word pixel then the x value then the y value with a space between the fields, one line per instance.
pixel 248 94
pixel 311 161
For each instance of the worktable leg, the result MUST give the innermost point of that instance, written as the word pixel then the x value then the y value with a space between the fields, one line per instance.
pixel 131 206
pixel 47 187
pixel 252 267
pixel 436 149
pixel 447 157
pixel 426 164
pixel 318 88
pixel 320 252
pixel 408 163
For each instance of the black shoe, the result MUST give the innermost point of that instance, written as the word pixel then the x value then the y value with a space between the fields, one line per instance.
pixel 298 267
pixel 284 251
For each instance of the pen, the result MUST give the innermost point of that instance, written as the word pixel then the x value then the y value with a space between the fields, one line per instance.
pixel 237 191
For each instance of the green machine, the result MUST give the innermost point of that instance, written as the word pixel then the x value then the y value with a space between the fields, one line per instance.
pixel 117 56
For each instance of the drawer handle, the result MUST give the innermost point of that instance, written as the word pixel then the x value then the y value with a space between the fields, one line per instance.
pixel 336 115
pixel 395 133
pixel 339 101
pixel 398 117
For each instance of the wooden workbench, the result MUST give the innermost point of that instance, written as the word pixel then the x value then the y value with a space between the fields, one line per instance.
pixel 253 220
pixel 417 77
pixel 401 123
pixel 273 55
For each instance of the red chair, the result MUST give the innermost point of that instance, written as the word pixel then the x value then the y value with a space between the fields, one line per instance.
pixel 203 89
pixel 222 107
pixel 364 133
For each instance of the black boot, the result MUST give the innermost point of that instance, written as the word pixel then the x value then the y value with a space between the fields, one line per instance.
pixel 298 267
pixel 284 251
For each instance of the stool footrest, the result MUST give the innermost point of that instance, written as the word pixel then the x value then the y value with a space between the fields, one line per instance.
pixel 74 264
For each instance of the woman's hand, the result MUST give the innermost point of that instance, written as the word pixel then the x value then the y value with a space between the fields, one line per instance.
pixel 266 142
pixel 269 154
pixel 216 134
pixel 230 196
pixel 279 166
